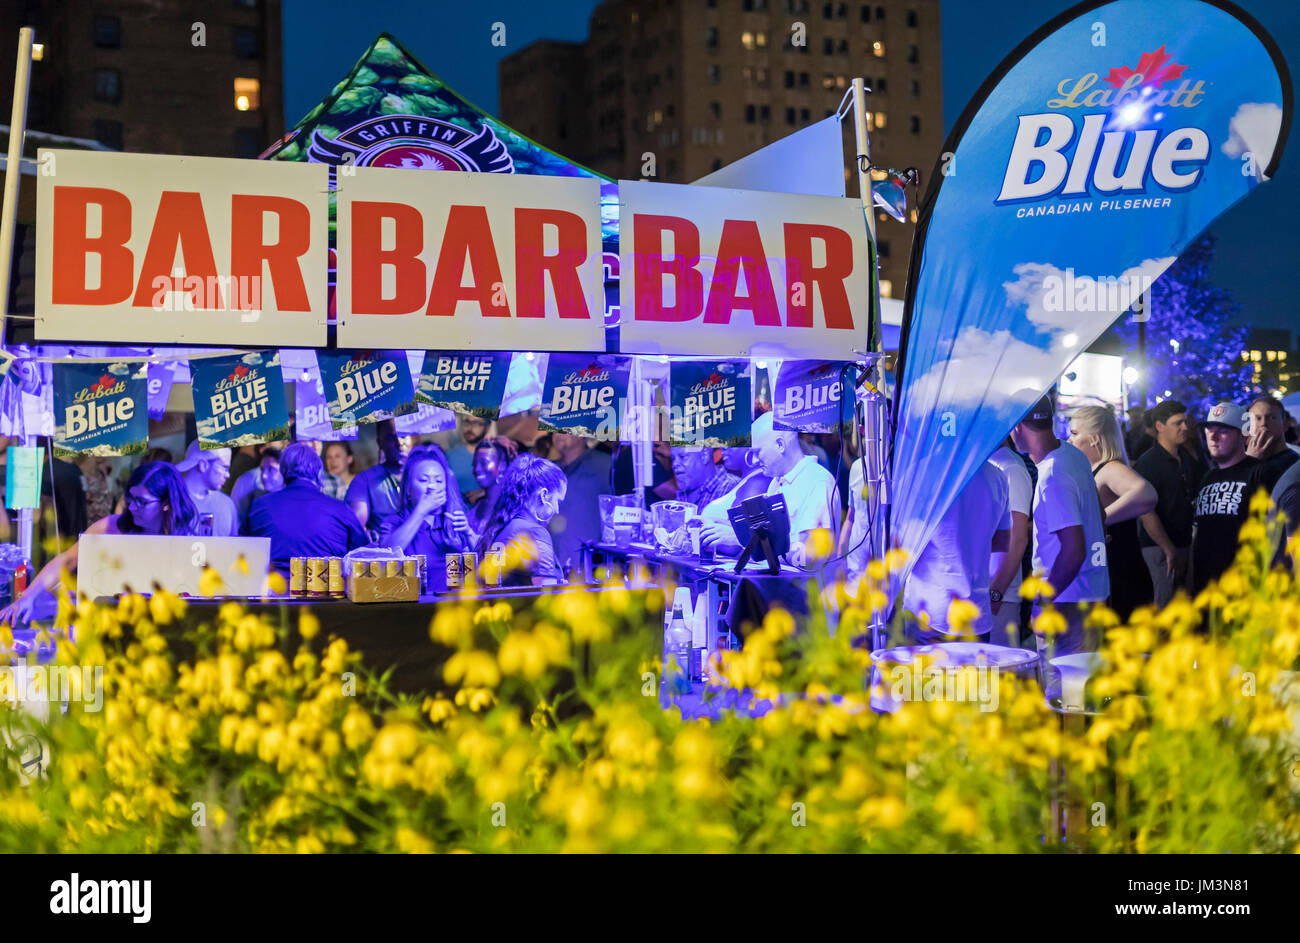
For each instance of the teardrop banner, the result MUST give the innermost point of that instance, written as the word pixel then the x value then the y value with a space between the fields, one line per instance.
pixel 365 385
pixel 239 400
pixel 101 409
pixel 809 397
pixel 1091 157
pixel 470 384
pixel 585 395
pixel 161 378
pixel 710 404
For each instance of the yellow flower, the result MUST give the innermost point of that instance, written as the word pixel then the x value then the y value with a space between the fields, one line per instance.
pixel 308 624
pixel 439 709
pixel 1034 586
pixel 395 742
pixel 451 624
pixel 411 842
pixel 210 582
pixel 1050 622
pixel 476 699
pixel 473 669
pixel 357 728
pixel 962 614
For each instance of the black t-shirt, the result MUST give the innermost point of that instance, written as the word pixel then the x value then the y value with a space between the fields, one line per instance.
pixel 1175 482
pixel 1275 466
pixel 1222 506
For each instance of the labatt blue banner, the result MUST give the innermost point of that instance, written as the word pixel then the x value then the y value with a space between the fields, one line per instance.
pixel 312 413
pixel 471 384
pixel 808 395
pixel 1085 164
pixel 101 409
pixel 365 385
pixel 239 400
pixel 710 404
pixel 585 395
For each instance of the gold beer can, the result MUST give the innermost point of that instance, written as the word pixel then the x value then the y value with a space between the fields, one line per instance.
pixel 392 568
pixel 410 566
pixel 336 577
pixel 360 569
pixel 317 576
pixel 297 576
pixel 469 568
pixel 376 567
pixel 453 571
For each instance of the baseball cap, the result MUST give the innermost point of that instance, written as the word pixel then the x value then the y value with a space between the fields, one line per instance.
pixel 197 453
pixel 1226 414
pixel 1042 411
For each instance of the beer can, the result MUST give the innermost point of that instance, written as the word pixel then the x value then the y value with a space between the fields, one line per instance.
pixel 376 567
pixel 469 568
pixel 453 571
pixel 360 569
pixel 336 577
pixel 297 576
pixel 392 568
pixel 410 566
pixel 423 569
pixel 317 576
pixel 497 568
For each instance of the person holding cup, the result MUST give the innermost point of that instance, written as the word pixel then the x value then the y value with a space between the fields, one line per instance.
pixel 432 520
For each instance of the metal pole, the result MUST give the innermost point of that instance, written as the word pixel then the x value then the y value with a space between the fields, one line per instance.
pixel 8 223
pixel 14 170
pixel 875 449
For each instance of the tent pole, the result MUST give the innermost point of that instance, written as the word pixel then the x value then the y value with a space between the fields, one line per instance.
pixel 13 169
pixel 878 434
pixel 8 223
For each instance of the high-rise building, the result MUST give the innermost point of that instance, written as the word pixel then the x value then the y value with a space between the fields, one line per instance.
pixel 674 89
pixel 151 77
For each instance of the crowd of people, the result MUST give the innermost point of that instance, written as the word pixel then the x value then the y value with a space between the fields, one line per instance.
pixel 1125 517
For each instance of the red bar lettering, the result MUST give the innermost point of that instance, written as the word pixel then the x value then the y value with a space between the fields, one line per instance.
pixel 180 221
pixel 741 246
pixel 369 260
pixel 829 279
pixel 248 250
pixel 467 232
pixel 650 268
pixel 532 265
pixel 72 245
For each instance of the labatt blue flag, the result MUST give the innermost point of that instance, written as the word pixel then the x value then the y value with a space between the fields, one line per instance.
pixel 808 395
pixel 1085 164
pixel 239 400
pixel 709 404
pixel 365 385
pixel 101 409
pixel 584 395
pixel 312 413
pixel 471 384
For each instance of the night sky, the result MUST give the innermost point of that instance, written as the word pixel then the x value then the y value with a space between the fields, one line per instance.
pixel 1258 245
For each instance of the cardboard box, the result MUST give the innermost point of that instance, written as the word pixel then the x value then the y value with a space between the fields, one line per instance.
pixel 384 589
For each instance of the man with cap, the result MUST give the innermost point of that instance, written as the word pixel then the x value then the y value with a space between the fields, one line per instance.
pixel 1069 536
pixel 1223 499
pixel 204 471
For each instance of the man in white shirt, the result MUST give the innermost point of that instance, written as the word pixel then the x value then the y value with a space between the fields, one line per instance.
pixel 955 563
pixel 1005 566
pixel 808 489
pixel 204 471
pixel 1069 537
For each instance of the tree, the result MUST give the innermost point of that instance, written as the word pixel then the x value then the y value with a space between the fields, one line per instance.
pixel 1192 350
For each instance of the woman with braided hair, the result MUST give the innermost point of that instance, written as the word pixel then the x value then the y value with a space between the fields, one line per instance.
pixel 530 491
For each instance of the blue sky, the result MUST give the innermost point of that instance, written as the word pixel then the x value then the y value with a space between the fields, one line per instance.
pixel 1258 242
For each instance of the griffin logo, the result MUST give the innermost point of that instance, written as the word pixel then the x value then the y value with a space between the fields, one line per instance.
pixel 409 141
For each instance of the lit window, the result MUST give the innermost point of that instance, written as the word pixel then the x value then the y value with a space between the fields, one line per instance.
pixel 886 288
pixel 747 39
pixel 248 94
pixel 880 119
pixel 38 52
pixel 1254 355
pixel 913 216
pixel 878 49
pixel 761 39
pixel 1271 355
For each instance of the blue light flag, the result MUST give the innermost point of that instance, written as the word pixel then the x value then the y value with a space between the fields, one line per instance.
pixel 710 404
pixel 239 400
pixel 1094 154
pixel 365 385
pixel 467 383
pixel 101 409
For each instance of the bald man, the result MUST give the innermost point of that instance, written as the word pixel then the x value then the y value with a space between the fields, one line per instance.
pixel 808 489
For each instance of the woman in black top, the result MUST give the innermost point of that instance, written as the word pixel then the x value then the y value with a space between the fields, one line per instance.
pixel 532 489
pixel 1125 496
